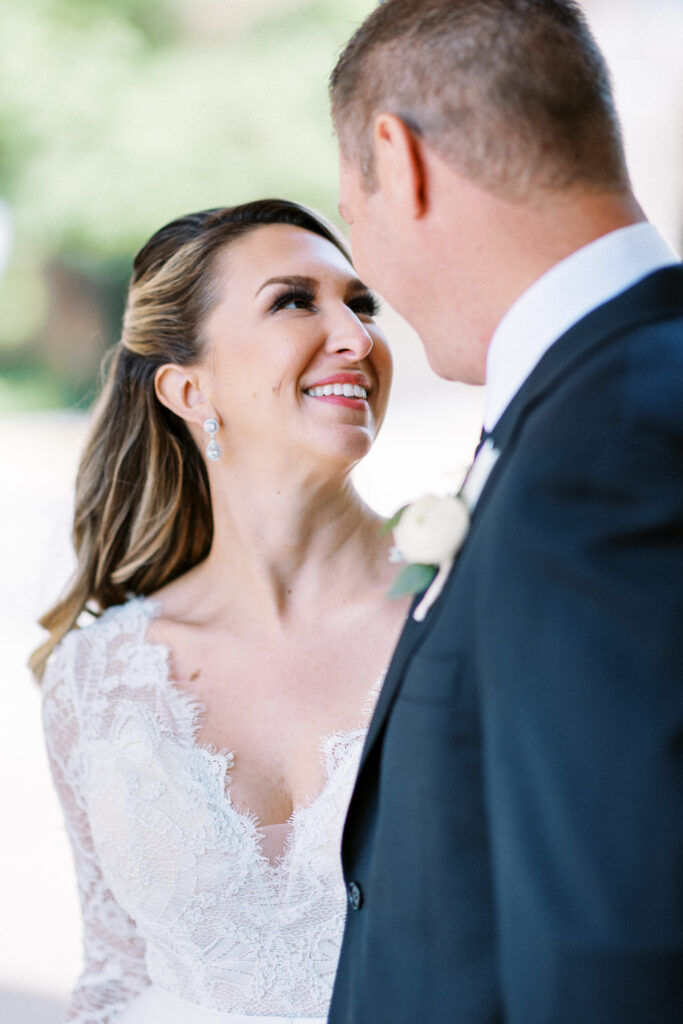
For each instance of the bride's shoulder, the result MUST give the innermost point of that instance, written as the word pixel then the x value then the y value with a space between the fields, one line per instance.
pixel 86 647
pixel 127 618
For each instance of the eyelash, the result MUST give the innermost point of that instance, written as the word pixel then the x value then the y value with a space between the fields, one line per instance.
pixel 303 295
pixel 363 305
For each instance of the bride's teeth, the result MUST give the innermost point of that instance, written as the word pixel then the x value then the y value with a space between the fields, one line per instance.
pixel 347 390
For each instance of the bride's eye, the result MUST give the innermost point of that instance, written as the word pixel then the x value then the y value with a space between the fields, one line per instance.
pixel 364 304
pixel 293 298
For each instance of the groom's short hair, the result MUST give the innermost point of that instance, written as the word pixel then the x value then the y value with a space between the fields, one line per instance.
pixel 513 93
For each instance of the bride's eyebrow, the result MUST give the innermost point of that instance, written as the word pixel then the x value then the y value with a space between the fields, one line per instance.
pixel 356 287
pixel 293 280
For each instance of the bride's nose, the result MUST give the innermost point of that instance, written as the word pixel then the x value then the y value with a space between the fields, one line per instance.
pixel 349 336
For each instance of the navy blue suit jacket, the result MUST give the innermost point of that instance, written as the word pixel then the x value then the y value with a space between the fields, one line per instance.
pixel 514 845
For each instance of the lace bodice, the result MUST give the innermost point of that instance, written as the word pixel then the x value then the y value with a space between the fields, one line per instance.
pixel 175 887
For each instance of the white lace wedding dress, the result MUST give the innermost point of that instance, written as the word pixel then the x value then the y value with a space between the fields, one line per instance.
pixel 186 920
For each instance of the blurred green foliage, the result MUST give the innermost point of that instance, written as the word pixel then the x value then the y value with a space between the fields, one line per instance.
pixel 118 115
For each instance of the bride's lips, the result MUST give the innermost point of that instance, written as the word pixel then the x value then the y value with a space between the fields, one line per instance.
pixel 349 388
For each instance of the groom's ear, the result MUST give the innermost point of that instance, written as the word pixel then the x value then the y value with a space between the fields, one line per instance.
pixel 399 165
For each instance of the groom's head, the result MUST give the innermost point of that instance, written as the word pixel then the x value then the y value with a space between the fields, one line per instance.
pixel 513 93
pixel 511 98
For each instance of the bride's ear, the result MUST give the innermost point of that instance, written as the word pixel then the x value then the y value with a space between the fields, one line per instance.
pixel 179 389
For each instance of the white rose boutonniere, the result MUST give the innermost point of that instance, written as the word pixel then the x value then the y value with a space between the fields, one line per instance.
pixel 428 535
pixel 430 532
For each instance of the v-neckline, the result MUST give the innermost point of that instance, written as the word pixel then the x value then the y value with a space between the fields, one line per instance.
pixel 222 760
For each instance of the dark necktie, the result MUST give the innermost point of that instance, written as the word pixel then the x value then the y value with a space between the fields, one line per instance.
pixel 485 435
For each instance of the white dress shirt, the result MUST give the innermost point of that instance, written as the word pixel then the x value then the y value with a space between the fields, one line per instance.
pixel 560 298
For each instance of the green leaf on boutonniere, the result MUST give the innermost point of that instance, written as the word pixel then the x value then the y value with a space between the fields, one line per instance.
pixel 413 579
pixel 387 526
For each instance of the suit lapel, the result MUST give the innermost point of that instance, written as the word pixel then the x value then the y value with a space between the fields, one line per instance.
pixel 412 633
pixel 658 297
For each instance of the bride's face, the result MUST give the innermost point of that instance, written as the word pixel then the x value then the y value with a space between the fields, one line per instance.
pixel 293 323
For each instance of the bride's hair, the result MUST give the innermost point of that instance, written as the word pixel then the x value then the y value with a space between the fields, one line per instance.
pixel 143 510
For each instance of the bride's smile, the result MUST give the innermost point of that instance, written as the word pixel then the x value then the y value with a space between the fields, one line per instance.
pixel 345 389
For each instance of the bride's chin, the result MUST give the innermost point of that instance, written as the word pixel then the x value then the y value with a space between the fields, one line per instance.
pixel 352 450
pixel 335 466
pixel 345 442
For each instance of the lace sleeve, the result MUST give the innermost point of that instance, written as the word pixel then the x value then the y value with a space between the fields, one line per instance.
pixel 114 953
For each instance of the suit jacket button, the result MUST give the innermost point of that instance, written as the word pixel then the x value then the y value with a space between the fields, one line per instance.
pixel 355 896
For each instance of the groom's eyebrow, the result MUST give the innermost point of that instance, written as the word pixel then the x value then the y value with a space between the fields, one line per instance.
pixel 293 280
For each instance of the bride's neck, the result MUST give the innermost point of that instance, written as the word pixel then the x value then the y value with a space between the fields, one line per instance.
pixel 289 544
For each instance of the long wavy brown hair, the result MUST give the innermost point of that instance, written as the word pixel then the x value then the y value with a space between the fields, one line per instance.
pixel 143 507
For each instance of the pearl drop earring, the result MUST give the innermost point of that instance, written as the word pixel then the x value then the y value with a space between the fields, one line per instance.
pixel 213 449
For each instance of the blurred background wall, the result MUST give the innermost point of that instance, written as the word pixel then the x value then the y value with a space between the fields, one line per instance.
pixel 116 116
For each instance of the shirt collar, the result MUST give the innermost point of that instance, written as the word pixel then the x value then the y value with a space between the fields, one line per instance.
pixel 560 298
